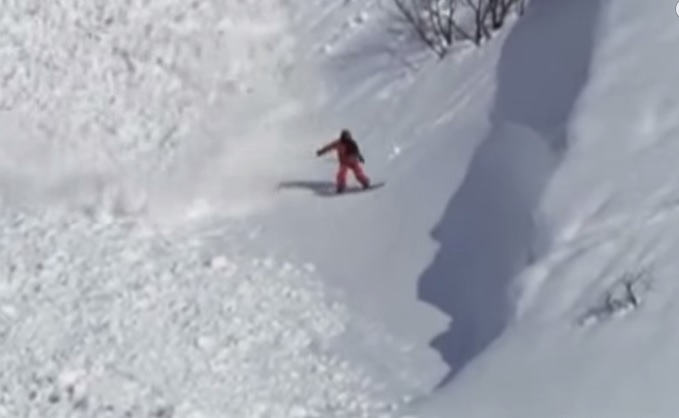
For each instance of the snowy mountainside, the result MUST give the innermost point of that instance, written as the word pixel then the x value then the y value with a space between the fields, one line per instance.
pixel 594 306
pixel 518 263
pixel 529 202
pixel 113 130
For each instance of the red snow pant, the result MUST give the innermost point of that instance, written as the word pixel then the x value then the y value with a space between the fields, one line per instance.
pixel 356 168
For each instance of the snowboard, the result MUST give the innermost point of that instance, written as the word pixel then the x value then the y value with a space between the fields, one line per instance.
pixel 352 189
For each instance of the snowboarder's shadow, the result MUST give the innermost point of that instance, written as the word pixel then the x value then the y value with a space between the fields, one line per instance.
pixel 320 188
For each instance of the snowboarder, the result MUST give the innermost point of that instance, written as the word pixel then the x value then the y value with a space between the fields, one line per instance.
pixel 350 158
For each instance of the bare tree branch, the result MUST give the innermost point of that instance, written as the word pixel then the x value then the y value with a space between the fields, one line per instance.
pixel 436 22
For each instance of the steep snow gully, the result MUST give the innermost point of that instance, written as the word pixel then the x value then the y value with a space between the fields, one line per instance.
pixel 490 228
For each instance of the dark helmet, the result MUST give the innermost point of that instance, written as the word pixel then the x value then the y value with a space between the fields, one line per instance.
pixel 345 135
pixel 349 143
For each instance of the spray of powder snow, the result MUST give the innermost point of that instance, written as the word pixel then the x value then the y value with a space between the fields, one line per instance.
pixel 157 107
pixel 232 166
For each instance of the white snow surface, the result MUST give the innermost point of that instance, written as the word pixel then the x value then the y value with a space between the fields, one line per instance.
pixel 168 246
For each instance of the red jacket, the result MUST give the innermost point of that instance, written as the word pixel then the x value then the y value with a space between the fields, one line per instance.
pixel 343 154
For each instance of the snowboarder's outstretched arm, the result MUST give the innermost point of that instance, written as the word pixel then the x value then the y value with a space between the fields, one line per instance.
pixel 331 146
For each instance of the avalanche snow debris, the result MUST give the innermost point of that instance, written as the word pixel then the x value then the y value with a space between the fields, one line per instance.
pixel 107 321
pixel 97 96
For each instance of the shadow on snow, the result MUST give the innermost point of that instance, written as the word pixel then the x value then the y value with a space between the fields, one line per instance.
pixel 488 232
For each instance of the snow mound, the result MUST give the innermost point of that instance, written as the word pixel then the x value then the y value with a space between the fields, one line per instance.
pixel 101 318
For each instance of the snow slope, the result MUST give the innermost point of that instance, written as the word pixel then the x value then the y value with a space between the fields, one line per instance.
pixel 541 167
pixel 595 313
pixel 121 125
pixel 167 248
